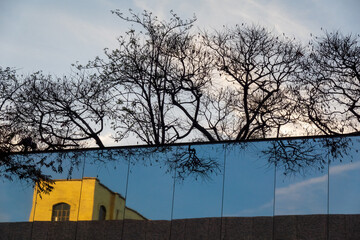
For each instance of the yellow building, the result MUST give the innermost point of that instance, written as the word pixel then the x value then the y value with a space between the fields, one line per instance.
pixel 81 200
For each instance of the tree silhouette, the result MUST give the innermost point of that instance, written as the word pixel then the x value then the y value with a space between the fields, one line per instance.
pixel 331 85
pixel 165 83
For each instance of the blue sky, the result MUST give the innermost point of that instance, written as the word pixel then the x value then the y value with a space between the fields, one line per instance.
pixel 51 35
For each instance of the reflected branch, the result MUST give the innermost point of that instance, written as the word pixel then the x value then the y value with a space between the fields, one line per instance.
pixel 303 155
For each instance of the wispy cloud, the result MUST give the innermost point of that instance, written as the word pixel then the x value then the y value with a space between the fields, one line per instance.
pixel 310 195
pixel 5 217
pixel 258 211
pixel 303 197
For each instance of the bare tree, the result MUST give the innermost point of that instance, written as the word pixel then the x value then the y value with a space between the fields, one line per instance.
pixel 328 92
pixel 61 112
pixel 331 85
pixel 166 83
pixel 155 72
pixel 14 138
pixel 257 69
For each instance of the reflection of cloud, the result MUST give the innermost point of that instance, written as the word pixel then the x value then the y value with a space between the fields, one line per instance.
pixel 303 197
pixel 344 168
pixel 262 210
pixel 308 196
pixel 4 217
pixel 300 185
pixel 312 181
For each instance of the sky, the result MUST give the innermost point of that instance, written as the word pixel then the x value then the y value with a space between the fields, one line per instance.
pixel 51 35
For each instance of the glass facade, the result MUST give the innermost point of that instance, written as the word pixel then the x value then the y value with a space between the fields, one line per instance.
pixel 256 190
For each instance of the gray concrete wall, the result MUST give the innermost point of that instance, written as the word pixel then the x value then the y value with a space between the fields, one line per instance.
pixel 341 227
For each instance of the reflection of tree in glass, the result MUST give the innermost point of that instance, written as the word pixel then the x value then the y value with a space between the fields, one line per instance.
pixel 298 156
pixel 187 162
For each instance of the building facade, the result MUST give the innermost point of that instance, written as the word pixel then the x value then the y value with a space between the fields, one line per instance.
pixel 81 200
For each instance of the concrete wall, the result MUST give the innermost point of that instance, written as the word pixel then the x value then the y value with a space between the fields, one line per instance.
pixel 341 227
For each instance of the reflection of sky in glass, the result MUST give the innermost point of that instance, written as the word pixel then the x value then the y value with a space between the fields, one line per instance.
pixel 197 197
pixel 302 193
pixel 150 188
pixel 344 190
pixel 15 201
pixel 249 182
pixel 112 174
pixel 16 197
pixel 249 186
pixel 298 195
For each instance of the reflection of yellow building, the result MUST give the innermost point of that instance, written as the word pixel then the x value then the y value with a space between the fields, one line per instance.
pixel 81 200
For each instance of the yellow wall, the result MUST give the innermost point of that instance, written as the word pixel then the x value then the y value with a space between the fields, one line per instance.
pixel 106 198
pixel 87 199
pixel 93 195
pixel 132 214
pixel 64 191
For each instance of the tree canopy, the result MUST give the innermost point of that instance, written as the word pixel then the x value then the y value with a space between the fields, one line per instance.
pixel 166 83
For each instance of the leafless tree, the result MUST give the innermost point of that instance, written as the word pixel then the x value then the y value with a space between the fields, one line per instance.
pixel 156 73
pixel 328 92
pixel 62 112
pixel 257 70
pixel 331 91
pixel 14 137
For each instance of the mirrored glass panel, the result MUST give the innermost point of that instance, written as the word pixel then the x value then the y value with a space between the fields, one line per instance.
pixel 58 209
pixel 103 193
pixel 344 190
pixel 198 191
pixel 149 194
pixel 16 197
pixel 20 201
pixel 62 202
pixel 248 191
pixel 301 194
pixel 344 173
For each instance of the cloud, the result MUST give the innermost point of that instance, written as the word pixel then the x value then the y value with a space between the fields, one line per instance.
pixel 308 196
pixel 107 139
pixel 303 197
pixel 52 36
pixel 339 169
pixel 5 217
pixel 258 211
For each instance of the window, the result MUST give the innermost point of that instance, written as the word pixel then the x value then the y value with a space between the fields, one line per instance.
pixel 102 213
pixel 60 212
